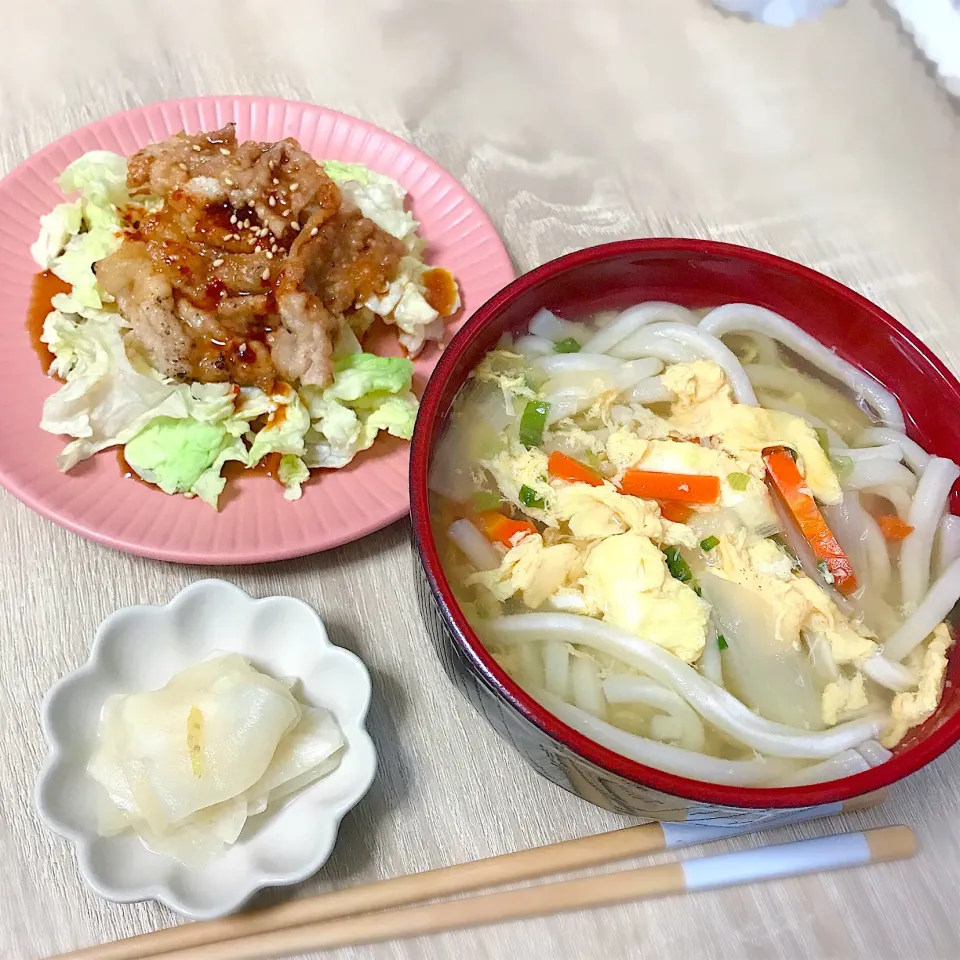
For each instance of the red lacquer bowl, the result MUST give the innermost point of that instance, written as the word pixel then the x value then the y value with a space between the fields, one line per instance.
pixel 697 274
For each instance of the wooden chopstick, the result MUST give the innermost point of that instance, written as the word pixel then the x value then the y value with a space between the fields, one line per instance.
pixel 704 873
pixel 403 891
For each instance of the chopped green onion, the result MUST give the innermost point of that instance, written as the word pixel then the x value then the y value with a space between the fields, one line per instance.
pixel 678 567
pixel 842 467
pixel 738 481
pixel 823 440
pixel 709 543
pixel 484 500
pixel 533 422
pixel 722 641
pixel 697 589
pixel 825 571
pixel 792 452
pixel 529 498
pixel 569 345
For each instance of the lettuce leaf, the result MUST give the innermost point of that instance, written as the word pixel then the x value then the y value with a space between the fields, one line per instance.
pixel 369 394
pixel 75 266
pixel 379 197
pixel 56 229
pixel 396 415
pixel 292 473
pixel 362 373
pixel 175 453
pixel 284 430
pixel 105 401
pixel 405 305
pixel 69 244
pixel 187 455
pixel 99 176
pixel 176 435
pixel 209 485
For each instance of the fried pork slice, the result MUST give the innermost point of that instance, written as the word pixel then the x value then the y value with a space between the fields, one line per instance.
pixel 145 298
pixel 250 264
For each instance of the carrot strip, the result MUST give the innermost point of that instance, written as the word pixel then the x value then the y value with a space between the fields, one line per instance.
pixel 675 512
pixel 501 529
pixel 794 492
pixel 562 467
pixel 679 487
pixel 893 528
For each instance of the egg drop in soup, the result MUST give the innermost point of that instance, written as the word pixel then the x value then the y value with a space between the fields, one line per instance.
pixel 701 539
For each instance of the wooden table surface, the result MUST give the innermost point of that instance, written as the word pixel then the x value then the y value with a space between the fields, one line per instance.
pixel 573 122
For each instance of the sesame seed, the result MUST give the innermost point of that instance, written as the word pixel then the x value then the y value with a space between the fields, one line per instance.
pixel 272 201
pixel 196 148
pixel 286 213
pixel 233 218
pixel 274 248
pixel 228 181
pixel 314 231
pixel 295 225
pixel 225 151
pixel 218 262
pixel 182 166
pixel 269 255
pixel 275 180
pixel 257 248
pixel 246 224
pixel 294 187
pixel 266 274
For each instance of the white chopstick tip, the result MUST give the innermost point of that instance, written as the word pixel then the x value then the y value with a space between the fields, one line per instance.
pixel 798 858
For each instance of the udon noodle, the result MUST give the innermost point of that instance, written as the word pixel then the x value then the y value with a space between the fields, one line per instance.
pixel 703 540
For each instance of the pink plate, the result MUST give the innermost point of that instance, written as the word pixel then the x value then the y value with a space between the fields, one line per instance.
pixel 255 524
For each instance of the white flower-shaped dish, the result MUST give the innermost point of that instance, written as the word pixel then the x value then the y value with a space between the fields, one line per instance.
pixel 140 648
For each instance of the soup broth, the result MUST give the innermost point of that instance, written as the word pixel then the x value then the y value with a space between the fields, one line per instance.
pixel 702 539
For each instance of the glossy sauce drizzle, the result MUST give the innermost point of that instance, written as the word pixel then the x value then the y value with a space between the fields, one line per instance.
pixel 128 473
pixel 45 287
pixel 269 466
pixel 440 290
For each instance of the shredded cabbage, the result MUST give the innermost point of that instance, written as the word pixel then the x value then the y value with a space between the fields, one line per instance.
pixel 369 394
pixel 404 304
pixel 177 435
